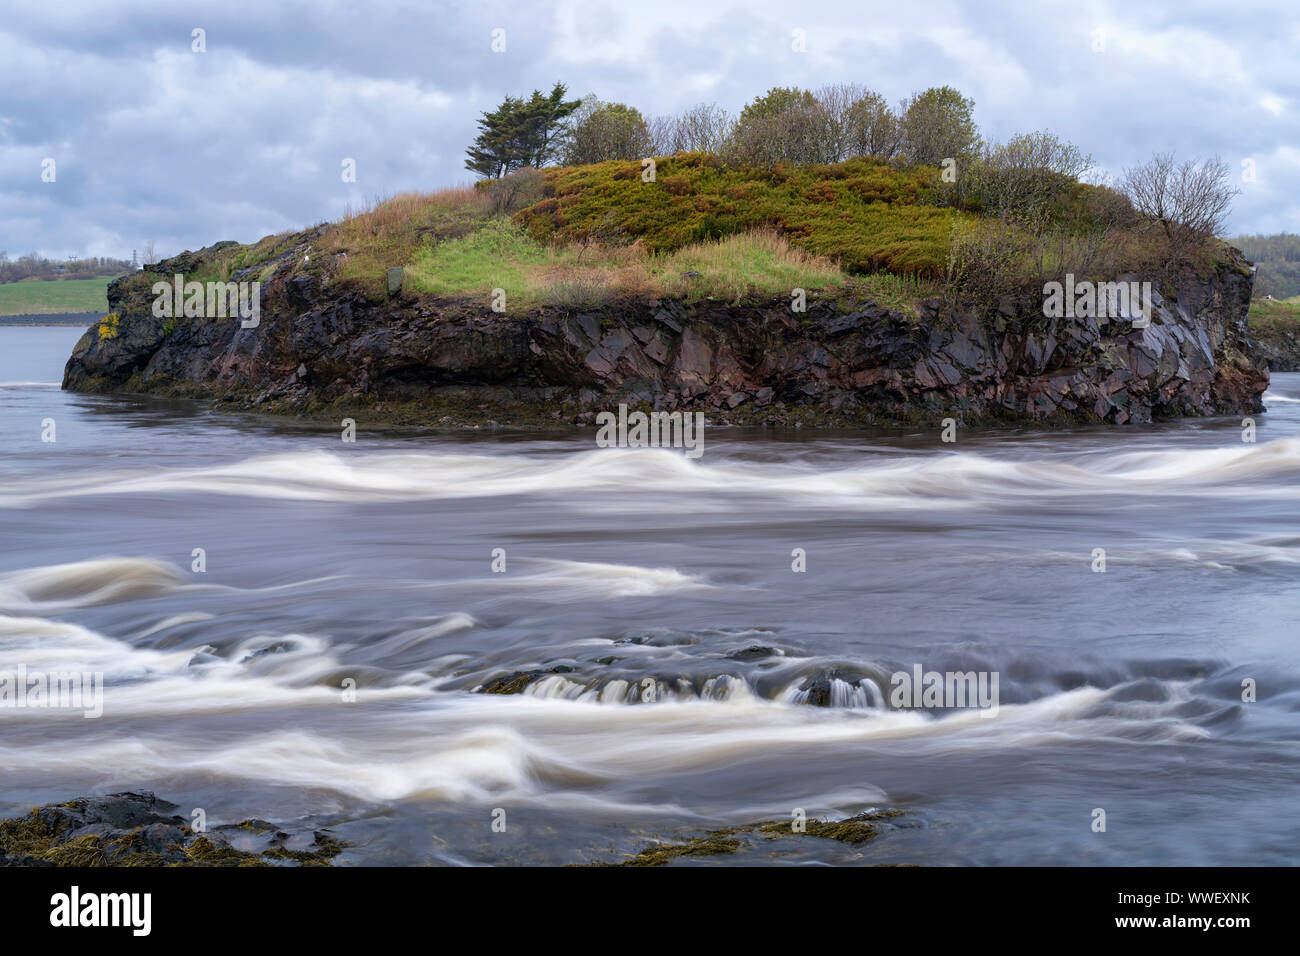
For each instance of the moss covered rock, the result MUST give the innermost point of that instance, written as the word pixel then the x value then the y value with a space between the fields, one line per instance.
pixel 139 829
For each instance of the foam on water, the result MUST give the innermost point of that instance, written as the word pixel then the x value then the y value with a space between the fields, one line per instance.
pixel 534 748
pixel 559 740
pixel 87 583
pixel 642 476
pixel 110 580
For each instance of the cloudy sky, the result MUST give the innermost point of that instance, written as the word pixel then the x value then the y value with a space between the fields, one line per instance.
pixel 154 141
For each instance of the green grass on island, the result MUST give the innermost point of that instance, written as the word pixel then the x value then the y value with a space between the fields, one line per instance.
pixel 54 297
pixel 1274 315
pixel 798 197
pixel 1274 327
pixel 578 237
pixel 582 236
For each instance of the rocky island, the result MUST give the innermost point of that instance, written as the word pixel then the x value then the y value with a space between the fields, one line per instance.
pixel 427 362
pixel 452 309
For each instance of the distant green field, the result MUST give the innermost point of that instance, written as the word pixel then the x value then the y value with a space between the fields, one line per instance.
pixel 45 298
pixel 1268 314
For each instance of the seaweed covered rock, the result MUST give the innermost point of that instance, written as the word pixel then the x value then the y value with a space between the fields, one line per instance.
pixel 139 829
pixel 854 831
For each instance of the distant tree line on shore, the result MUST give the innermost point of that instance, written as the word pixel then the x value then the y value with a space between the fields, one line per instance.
pixel 32 266
pixel 1278 259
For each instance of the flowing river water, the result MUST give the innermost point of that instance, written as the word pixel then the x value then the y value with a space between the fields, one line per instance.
pixel 679 652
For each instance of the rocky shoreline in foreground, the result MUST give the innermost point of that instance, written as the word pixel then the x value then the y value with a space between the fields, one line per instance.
pixel 140 829
pixel 133 829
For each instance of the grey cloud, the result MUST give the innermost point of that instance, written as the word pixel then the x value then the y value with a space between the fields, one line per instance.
pixel 155 142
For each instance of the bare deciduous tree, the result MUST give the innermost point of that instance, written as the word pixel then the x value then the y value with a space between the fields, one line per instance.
pixel 515 190
pixel 663 134
pixel 857 122
pixel 1021 176
pixel 1189 197
pixel 839 122
pixel 785 125
pixel 703 128
pixel 874 129
pixel 837 101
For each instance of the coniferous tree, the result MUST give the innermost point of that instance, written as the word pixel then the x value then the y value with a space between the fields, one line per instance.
pixel 521 133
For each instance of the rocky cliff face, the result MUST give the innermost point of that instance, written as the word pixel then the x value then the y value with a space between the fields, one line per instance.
pixel 1279 348
pixel 320 349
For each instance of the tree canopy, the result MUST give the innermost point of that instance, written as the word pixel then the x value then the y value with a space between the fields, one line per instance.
pixel 938 125
pixel 521 133
pixel 601 131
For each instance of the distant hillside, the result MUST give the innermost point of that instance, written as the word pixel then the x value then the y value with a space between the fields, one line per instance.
pixel 79 319
pixel 36 267
pixel 59 296
pixel 1275 329
pixel 1278 259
